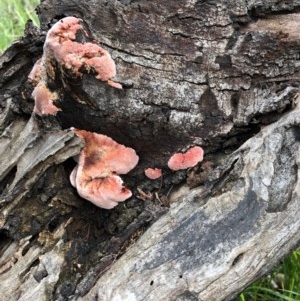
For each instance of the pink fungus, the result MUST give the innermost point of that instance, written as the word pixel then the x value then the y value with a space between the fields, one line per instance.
pixel 153 173
pixel 99 164
pixel 186 160
pixel 43 99
pixel 60 47
pixel 64 30
pixel 76 56
pixel 36 72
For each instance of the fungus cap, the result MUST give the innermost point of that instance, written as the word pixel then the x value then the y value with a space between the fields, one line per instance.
pixel 153 173
pixel 100 162
pixel 186 160
pixel 75 56
pixel 64 29
pixel 103 156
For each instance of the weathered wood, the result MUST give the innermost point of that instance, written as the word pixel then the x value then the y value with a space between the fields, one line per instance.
pixel 206 248
pixel 220 74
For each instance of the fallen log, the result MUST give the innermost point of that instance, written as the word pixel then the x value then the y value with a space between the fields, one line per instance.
pixel 220 75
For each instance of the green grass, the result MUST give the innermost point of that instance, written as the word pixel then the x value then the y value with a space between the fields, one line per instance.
pixel 13 17
pixel 283 283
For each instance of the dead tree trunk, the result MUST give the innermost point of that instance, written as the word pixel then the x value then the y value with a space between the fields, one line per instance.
pixel 220 74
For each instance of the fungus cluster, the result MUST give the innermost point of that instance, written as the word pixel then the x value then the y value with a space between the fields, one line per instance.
pixel 101 161
pixel 60 47
pixel 178 161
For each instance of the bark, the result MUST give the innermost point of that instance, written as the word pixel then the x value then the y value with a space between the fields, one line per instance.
pixel 220 74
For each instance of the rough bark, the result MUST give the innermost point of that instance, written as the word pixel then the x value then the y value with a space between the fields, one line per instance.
pixel 220 74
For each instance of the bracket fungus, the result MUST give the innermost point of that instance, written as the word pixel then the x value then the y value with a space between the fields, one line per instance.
pixel 62 48
pixel 101 161
pixel 153 173
pixel 44 98
pixel 186 160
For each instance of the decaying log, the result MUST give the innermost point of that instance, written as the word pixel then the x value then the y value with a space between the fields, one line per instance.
pixel 223 75
pixel 206 247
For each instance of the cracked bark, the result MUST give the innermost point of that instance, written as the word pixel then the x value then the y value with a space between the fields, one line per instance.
pixel 220 74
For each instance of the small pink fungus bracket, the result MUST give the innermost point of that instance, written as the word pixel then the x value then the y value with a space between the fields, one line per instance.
pixel 186 160
pixel 153 173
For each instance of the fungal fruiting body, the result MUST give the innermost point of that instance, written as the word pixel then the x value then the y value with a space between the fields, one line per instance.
pixel 186 160
pixel 153 173
pixel 101 161
pixel 77 56
pixel 60 47
pixel 44 98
